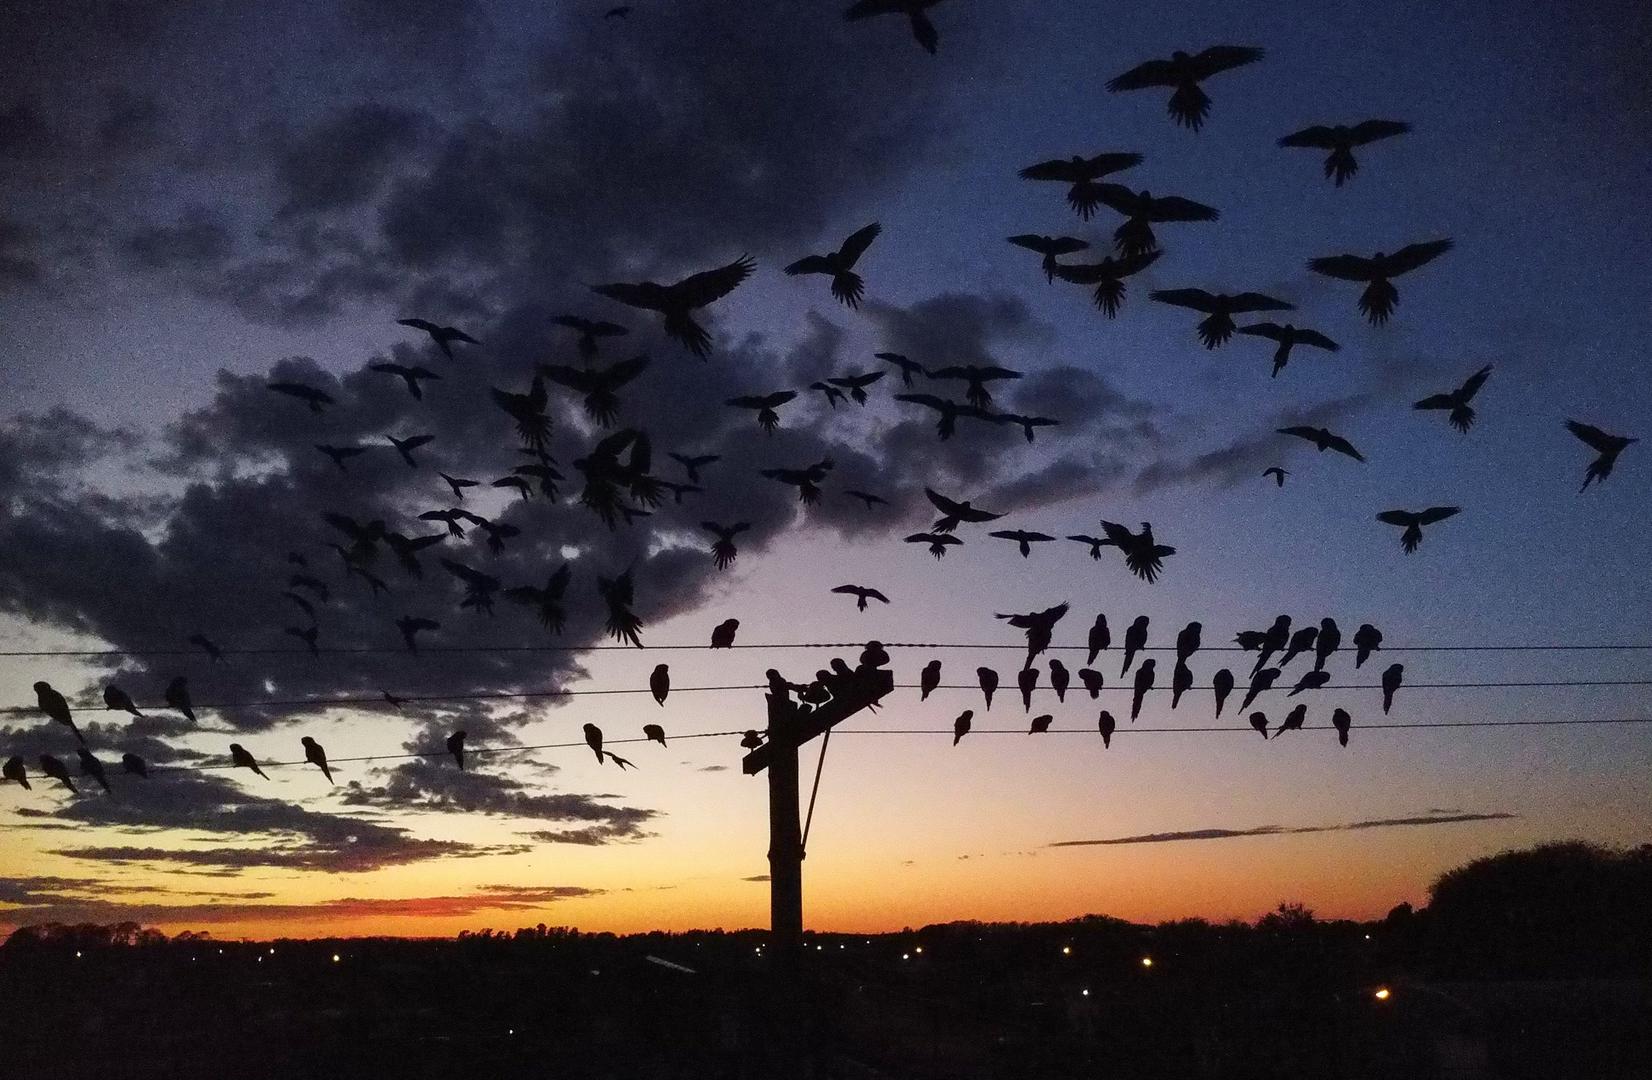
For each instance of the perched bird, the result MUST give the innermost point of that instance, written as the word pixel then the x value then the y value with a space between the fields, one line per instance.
pixel 1099 638
pixel 677 302
pixel 1301 641
pixel 593 739
pixel 1462 413
pixel 1106 725
pixel 938 542
pixel 1413 522
pixel 723 551
pixel 1380 297
pixel 861 595
pixel 949 412
pixel 868 498
pixel 907 367
pixel 241 759
pixel 55 769
pixel 1219 309
pixel 1051 248
pixel 916 12
pixel 411 627
pixel 929 679
pixel 1323 440
pixel 456 747
pixel 1189 104
pixel 1181 681
pixel 1329 640
pixel 533 425
pixel 1222 684
pixel 1392 676
pixel 443 336
pixel 599 387
pixel 1142 554
pixel 1026 680
pixel 1040 724
pixel 988 680
pixel 1293 721
pixel 751 740
pixel 960 726
pixel 722 635
pixel 306 634
pixel 654 733
pixel 1287 337
pixel 1608 446
pixel 847 285
pixel 806 480
pixel 1080 174
pixel 856 383
pixel 1022 539
pixel 317 400
pixel 1340 140
pixel 1259 721
pixel 1144 683
pixel 975 378
pixel 119 700
pixel 954 512
pixel 1367 640
pixel 133 765
pixel 91 766
pixel 340 454
pixel 1059 679
pixel 1311 680
pixel 15 769
pixel 177 696
pixel 1108 275
pixel 764 405
pixel 412 376
pixel 458 484
pixel 1039 627
pixel 1134 237
pixel 693 465
pixel 1135 640
pixel 1278 475
pixel 659 683
pixel 1092 680
pixel 208 646
pixel 1275 638
pixel 589 330
pixel 1260 682
pixel 1342 722
pixel 1027 423
pixel 1187 642
pixel 621 623
pixel 56 706
pixel 315 755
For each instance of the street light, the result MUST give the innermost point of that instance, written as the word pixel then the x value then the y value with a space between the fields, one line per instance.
pixel 1147 961
pixel 1382 993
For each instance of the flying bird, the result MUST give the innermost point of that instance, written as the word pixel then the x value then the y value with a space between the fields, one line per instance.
pixel 1181 680
pixel 856 383
pixel 456 747
pixel 405 447
pixel 208 646
pixel 988 680
pixel 1413 522
pixel 1098 639
pixel 133 765
pixel 659 683
pixel 1392 676
pixel 589 330
pixel 847 285
pixel 241 759
pixel 1027 423
pixel 1095 544
pixel 949 412
pixel 723 550
pixel 833 394
pixel 907 367
pixel 1051 248
pixel 443 336
pixel 317 400
pixel 458 484
pixel 533 426
pixel 55 769
pixel 302 604
pixel 1142 554
pixel 1367 640
pixel 1278 475
pixel 118 700
pixel 722 635
pixel 929 679
pixel 1022 539
pixel 764 405
pixel 1080 174
pixel 861 595
pixel 411 627
pixel 1222 684
pixel 1092 680
pixel 306 634
pixel 693 465
pixel 654 733
pixel 954 512
pixel 1287 337
pixel 868 498
pixel 677 302
pixel 598 387
pixel 806 480
pixel 56 706
pixel 621 623
pixel 976 377
pixel 916 12
pixel 412 376
pixel 1134 237
pixel 1219 308
pixel 1026 680
pixel 1106 725
pixel 479 587
pixel 1293 721
pixel 1135 640
pixel 547 601
pixel 1107 276
pixel 14 769
pixel 1380 297
pixel 1039 627
pixel 315 755
pixel 1144 683
pixel 960 728
pixel 1462 413
pixel 1342 722
pixel 1608 446
pixel 340 454
pixel 1059 679
pixel 1323 440
pixel 1189 104
pixel 1260 682
pixel 1340 140
pixel 938 542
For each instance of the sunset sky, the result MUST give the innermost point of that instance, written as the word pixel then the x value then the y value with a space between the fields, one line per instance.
pixel 201 198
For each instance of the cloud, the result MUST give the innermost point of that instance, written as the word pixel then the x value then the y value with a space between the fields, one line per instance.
pixel 1243 459
pixel 342 160
pixel 1281 830
pixel 756 877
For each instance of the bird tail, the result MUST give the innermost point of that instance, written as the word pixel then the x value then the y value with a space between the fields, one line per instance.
pixel 681 325
pixel 1109 295
pixel 1084 197
pixel 1411 538
pixel 328 773
pixel 623 625
pixel 1216 330
pixel 848 287
pixel 1379 300
pixel 1462 418
pixel 1342 737
pixel 1341 166
pixel 1134 237
pixel 1189 106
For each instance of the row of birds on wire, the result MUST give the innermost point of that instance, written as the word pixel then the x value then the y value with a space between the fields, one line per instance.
pixel 1320 641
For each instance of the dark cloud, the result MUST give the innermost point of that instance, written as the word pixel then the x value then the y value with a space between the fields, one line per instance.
pixel 341 161
pixel 18 262
pixel 1282 830
pixel 24 133
pixel 197 239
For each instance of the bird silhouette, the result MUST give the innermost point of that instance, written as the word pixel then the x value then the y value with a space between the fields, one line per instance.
pixel 1134 238
pixel 938 542
pixel 1144 556
pixel 1135 640
pixel 1380 297
pixel 407 548
pixel 1040 724
pixel 764 405
pixel 723 551
pixel 533 425
pixel 693 465
pixel 1183 72
pixel 315 755
pixel 1108 275
pixel 1413 522
pixel 1293 721
pixel 1187 641
pixel 1340 140
pixel 118 700
pixel 55 769
pixel 1028 424
pixel 1342 722
pixel 340 454
pixel 1059 679
pixel 1311 680
pixel 412 376
pixel 302 604
pixel 1092 680
pixel 856 383
pixel 593 739
pixel 317 400
pixel 1080 174
pixel 975 377
pixel 861 595
pixel 1367 640
pixel 953 512
pixel 1287 337
pixel 654 733
pixel 1051 248
pixel 1329 640
pixel 621 623
pixel 1260 682
pixel 806 480
pixel 1222 684
pixel 1278 475
pixel 1106 725
pixel 306 634
pixel 479 587
pixel 929 679
pixel 916 12
pixel 241 759
pixel 56 706
pixel 1323 440
pixel 1022 539
pixel 677 302
pixel 391 700
pixel 133 765
pixel 949 412
pixel 1039 627
pixel 1392 676
pixel 906 366
pixel 988 680
pixel 443 336
pixel 868 498
pixel 498 532
pixel 1608 446
pixel 92 767
pixel 847 285
pixel 411 627
pixel 833 394
pixel 458 484
pixel 589 330
pixel 960 726
pixel 14 769
pixel 1462 413
pixel 599 387
pixel 722 635
pixel 1181 681
pixel 547 601
pixel 1301 641
pixel 456 747
pixel 659 683
pixel 375 584
pixel 1144 683
pixel 679 490
pixel 1098 639
pixel 1095 543
pixel 208 646
pixel 1026 680
pixel 177 696
pixel 1259 721
pixel 1275 638
pixel 1219 309
pixel 543 471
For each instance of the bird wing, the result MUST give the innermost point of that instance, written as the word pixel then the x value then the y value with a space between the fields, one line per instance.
pixel 942 503
pixel 1318 340
pixel 811 264
pixel 573 378
pixel 1197 299
pixel 624 371
pixel 1059 169
pixel 1371 130
pixel 1102 164
pixel 930 400
pixel 874 594
pixel 416 441
pixel 1412 256
pixel 641 294
pixel 390 369
pixel 1140 77
pixel 1220 58
pixel 858 381
pixel 864 9
pixel 1254 301
pixel 1176 208
pixel 1301 432
pixel 1319 137
pixel 1437 401
pixel 982 374
pixel 1344 267
pixel 419 324
pixel 1271 331
pixel 698 290
pixel 1437 513
pixel 1475 381
pixel 859 240
pixel 1402 518
pixel 1592 435
pixel 1343 446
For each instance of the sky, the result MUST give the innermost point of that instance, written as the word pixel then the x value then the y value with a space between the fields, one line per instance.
pixel 201 199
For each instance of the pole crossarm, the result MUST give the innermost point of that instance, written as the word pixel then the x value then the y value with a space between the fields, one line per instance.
pixel 862 689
